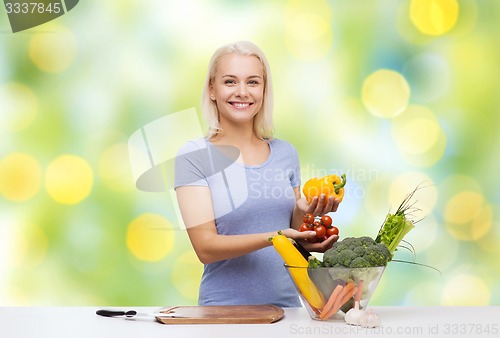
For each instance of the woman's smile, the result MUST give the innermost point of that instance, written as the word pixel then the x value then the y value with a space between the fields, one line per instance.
pixel 240 105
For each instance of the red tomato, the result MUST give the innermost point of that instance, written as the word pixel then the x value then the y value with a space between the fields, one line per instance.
pixel 308 218
pixel 326 220
pixel 320 231
pixel 332 230
pixel 304 227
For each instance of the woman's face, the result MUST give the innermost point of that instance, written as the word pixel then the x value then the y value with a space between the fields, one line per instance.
pixel 238 88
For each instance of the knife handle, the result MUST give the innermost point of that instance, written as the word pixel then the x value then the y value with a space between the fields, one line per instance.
pixel 110 313
pixel 302 250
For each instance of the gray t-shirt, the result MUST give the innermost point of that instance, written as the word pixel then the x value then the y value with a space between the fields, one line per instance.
pixel 246 199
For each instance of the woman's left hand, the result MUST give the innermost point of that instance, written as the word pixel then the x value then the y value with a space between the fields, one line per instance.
pixel 318 206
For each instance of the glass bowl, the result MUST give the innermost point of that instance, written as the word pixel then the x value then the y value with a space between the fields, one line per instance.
pixel 328 293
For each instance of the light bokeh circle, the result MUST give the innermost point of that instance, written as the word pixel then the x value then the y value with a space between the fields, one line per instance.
pixel 419 136
pixel 308 29
pixel 69 179
pixel 410 136
pixel 385 93
pixel 20 177
pixel 434 17
pixel 468 216
pixel 150 237
pixel 53 51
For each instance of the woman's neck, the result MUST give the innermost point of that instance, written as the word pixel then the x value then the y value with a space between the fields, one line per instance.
pixel 253 150
pixel 237 136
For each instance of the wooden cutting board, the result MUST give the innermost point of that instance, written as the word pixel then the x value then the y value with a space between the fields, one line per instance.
pixel 228 314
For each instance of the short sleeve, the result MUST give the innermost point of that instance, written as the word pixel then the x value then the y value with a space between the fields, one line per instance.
pixel 190 165
pixel 295 167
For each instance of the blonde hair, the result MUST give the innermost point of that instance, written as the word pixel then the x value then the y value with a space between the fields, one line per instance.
pixel 263 122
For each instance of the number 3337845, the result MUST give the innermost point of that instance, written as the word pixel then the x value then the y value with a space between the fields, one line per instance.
pixel 32 8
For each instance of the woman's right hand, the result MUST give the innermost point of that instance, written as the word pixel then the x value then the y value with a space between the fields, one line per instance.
pixel 303 236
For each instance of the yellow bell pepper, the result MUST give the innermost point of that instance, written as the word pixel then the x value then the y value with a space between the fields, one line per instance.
pixel 330 185
pixel 293 258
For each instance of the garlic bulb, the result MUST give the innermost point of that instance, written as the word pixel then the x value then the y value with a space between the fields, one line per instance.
pixel 369 319
pixel 353 315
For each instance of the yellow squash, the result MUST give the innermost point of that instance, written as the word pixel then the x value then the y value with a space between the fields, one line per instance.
pixel 294 258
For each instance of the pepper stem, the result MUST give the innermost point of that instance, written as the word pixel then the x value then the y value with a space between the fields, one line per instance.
pixel 340 185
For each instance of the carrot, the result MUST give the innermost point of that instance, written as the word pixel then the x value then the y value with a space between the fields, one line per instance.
pixel 349 290
pixel 358 295
pixel 347 296
pixel 332 299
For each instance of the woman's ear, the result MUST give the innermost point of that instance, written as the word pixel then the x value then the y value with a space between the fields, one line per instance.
pixel 211 90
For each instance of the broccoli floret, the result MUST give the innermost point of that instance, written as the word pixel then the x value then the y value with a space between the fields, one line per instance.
pixel 359 262
pixel 378 253
pixel 345 257
pixel 357 253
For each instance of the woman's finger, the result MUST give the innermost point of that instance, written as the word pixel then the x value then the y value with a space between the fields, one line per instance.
pixel 320 206
pixel 312 206
pixel 298 235
pixel 335 204
pixel 329 205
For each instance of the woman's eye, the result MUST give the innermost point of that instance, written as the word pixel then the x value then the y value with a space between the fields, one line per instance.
pixel 229 82
pixel 253 82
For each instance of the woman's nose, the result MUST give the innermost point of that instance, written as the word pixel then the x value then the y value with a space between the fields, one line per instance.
pixel 242 90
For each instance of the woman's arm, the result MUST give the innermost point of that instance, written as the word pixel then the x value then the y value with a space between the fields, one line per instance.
pixel 195 204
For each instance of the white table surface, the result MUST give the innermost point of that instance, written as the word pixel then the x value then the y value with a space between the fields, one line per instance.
pixel 76 322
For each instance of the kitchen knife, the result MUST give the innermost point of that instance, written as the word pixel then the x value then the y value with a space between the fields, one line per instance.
pixel 133 313
pixel 302 250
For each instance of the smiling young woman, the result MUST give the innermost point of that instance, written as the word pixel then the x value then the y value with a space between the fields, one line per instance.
pixel 231 189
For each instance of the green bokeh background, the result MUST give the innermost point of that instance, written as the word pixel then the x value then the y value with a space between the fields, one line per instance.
pixel 83 83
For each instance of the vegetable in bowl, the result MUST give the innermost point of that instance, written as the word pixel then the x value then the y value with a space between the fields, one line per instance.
pixel 351 269
pixel 340 287
pixel 352 252
pixel 349 273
